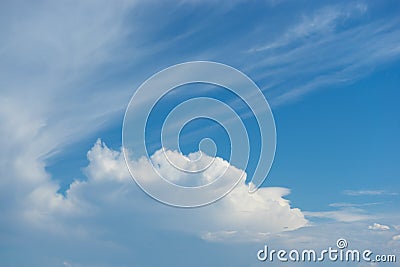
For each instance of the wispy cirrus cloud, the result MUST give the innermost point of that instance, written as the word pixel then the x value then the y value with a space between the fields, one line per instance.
pixel 323 21
pixel 342 215
pixel 332 45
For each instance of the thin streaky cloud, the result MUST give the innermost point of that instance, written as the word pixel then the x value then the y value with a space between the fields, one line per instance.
pixel 323 21
pixel 344 204
pixel 343 215
pixel 369 193
pixel 340 54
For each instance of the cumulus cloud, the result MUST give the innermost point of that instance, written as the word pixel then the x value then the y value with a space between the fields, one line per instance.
pixel 109 189
pixel 193 161
pixel 108 205
pixel 396 237
pixel 377 226
pixel 237 216
pixel 244 216
pixel 106 164
pixel 212 169
pixel 240 216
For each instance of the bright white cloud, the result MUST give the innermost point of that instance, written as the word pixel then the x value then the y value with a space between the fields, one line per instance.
pixel 217 166
pixel 396 237
pixel 239 215
pixel 106 164
pixel 377 226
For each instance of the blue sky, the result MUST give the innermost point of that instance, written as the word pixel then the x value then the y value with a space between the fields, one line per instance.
pixel 329 71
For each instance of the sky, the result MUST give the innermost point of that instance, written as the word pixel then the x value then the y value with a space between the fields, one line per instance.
pixel 68 70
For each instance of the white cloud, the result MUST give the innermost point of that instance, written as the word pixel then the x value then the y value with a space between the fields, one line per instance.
pixel 340 54
pixel 344 204
pixel 377 226
pixel 210 174
pixel 50 54
pixel 323 21
pixel 396 237
pixel 367 192
pixel 106 164
pixel 238 215
pixel 47 61
pixel 249 217
pixel 343 215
